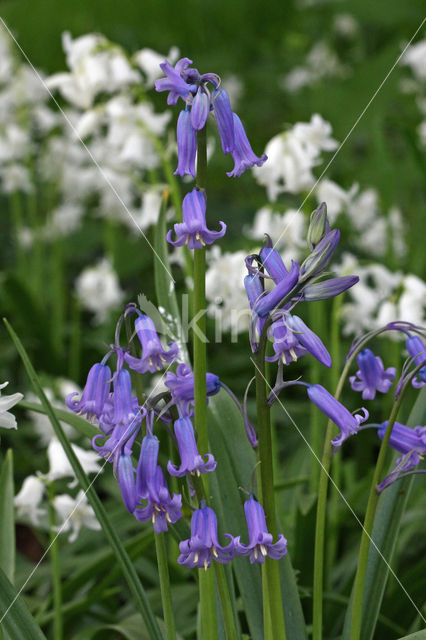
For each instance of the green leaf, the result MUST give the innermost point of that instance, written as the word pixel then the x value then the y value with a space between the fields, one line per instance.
pixel 7 518
pixel 15 618
pixel 80 424
pixel 138 593
pixel 387 522
pixel 165 284
pixel 237 460
pixel 418 635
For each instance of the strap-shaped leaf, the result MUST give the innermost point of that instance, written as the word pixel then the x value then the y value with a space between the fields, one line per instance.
pixel 7 518
pixel 80 424
pixel 138 593
pixel 418 635
pixel 15 618
pixel 390 510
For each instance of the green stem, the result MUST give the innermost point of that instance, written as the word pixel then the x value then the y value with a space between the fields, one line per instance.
pixel 206 578
pixel 57 300
pixel 16 213
pixel 358 599
pixel 75 340
pixel 231 625
pixel 316 322
pixel 266 485
pixel 166 594
pixel 56 570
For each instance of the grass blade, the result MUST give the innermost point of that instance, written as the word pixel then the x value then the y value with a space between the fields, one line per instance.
pixel 7 518
pixel 18 622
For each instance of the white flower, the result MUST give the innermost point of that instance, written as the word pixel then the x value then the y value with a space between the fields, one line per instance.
pixel 345 25
pixel 64 220
pixel 415 58
pixel 296 79
pixel 98 289
pixel 149 61
pixel 74 514
pixel 59 465
pixel 363 209
pixel 225 291
pixel 287 231
pixel 15 177
pixel 293 155
pixel 7 419
pixel 336 198
pixel 149 212
pixel 28 500
pixel 396 225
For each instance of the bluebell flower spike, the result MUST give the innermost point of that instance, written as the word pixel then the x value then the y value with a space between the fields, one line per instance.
pixel 203 546
pixel 371 375
pixel 261 543
pixel 154 357
pixel 95 393
pixel 193 230
pixel 191 461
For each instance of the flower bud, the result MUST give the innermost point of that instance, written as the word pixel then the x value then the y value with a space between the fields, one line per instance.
pixel 318 260
pixel 328 288
pixel 318 227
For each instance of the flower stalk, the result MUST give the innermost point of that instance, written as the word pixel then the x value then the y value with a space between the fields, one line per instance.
pixel 163 573
pixel 56 569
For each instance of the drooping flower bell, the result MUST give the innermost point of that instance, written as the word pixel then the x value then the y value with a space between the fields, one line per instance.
pixel 154 357
pixel 347 423
pixel 371 375
pixel 410 442
pixel 181 385
pixel 95 393
pixel 272 299
pixel 202 93
pixel 191 461
pixel 193 230
pixel 261 542
pixel 151 485
pixel 203 545
pixel 292 338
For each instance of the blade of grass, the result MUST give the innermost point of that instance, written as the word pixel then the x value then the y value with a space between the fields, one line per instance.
pixel 7 518
pixel 15 618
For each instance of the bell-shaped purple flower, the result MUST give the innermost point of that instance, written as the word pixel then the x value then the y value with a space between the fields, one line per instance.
pixel 181 385
pixel 318 260
pixel 95 393
pixel 124 406
pixel 173 82
pixel 125 473
pixel 371 375
pixel 308 339
pixel 347 423
pixel 224 119
pixel 272 261
pixel 191 461
pixel 161 508
pixel 154 357
pixel 260 540
pixel 193 230
pixel 270 300
pixel 328 288
pixel 410 442
pixel 200 109
pixel 417 351
pixel 287 347
pixel 187 145
pixel 242 153
pixel 203 545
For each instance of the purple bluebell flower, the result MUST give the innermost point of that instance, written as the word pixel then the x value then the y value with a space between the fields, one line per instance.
pixel 272 261
pixel 125 472
pixel 260 540
pixel 254 290
pixel 371 375
pixel 191 460
pixel 187 83
pixel 270 300
pixel 174 82
pixel 203 545
pixel 187 145
pixel 224 119
pixel 417 351
pixel 193 230
pixel 151 486
pixel 292 338
pixel 242 153
pixel 320 257
pixel 328 288
pixel 181 385
pixel 410 442
pixel 154 357
pixel 95 393
pixel 347 423
pixel 318 226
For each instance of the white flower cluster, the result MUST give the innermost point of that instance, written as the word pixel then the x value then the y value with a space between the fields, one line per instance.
pixel 321 63
pixel 98 290
pixel 7 419
pixel 292 155
pixel 380 297
pixel 415 58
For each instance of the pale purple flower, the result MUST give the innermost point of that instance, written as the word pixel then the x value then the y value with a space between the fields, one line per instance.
pixel 191 460
pixel 410 442
pixel 154 357
pixel 272 299
pixel 371 375
pixel 242 153
pixel 261 542
pixel 95 392
pixel 203 545
pixel 181 386
pixel 187 145
pixel 193 230
pixel 417 351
